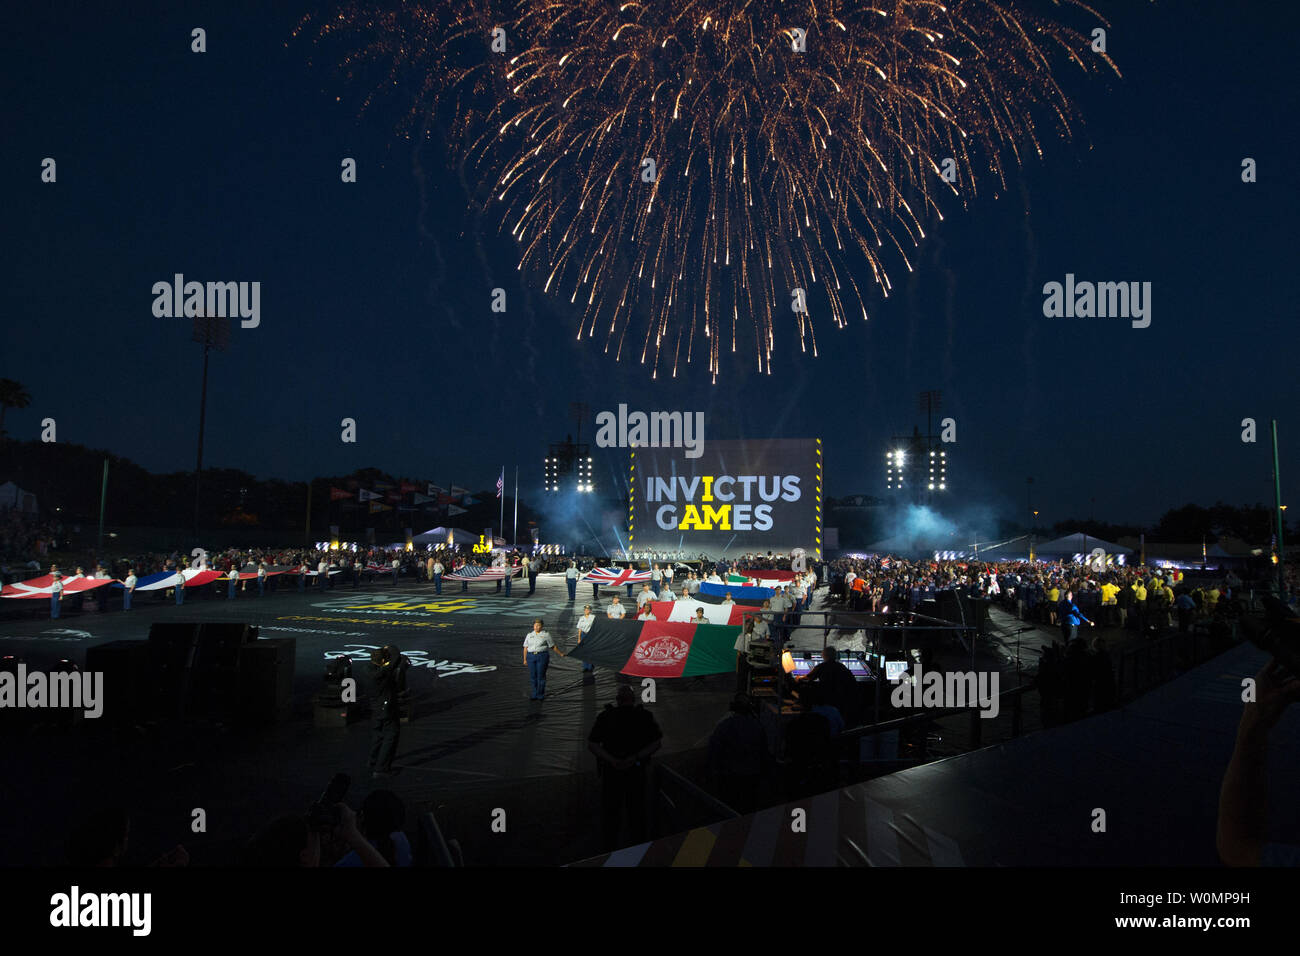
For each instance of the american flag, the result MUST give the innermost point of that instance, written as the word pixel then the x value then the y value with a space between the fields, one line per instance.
pixel 474 572
pixel 616 576
pixel 501 482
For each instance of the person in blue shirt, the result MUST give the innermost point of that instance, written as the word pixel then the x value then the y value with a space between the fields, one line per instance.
pixel 383 814
pixel 1071 617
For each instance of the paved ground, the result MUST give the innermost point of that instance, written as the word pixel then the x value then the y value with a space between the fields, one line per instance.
pixel 476 742
pixel 475 745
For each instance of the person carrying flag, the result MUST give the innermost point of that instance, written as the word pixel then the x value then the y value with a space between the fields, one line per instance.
pixel 128 588
pixel 537 657
pixel 56 593
pixel 571 580
pixel 584 625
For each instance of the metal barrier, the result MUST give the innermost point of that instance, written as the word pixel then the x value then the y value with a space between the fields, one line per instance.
pixel 436 851
pixel 1141 668
pixel 681 805
pixel 1014 696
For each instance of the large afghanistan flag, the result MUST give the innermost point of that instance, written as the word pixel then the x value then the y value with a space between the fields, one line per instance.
pixel 659 648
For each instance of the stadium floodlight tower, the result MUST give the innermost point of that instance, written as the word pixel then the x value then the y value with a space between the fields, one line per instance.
pixel 916 465
pixel 569 467
pixel 212 332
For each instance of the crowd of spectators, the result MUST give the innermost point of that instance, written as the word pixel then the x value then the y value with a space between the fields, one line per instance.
pixel 26 538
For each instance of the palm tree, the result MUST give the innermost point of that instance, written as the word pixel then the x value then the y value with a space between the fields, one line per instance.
pixel 12 395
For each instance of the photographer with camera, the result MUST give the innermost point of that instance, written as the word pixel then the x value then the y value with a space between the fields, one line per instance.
pixel 327 828
pixel 389 667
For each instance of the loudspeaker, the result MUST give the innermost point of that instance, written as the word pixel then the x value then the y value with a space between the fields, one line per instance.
pixel 220 644
pixel 266 670
pixel 196 668
pixel 127 667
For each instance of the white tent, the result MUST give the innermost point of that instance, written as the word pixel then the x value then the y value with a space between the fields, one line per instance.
pixel 452 536
pixel 1080 543
pixel 11 496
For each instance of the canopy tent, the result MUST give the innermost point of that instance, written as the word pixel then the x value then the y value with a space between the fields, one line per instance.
pixel 11 496
pixel 452 536
pixel 1079 543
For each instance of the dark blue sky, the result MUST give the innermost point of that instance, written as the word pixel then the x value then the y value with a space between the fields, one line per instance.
pixel 225 166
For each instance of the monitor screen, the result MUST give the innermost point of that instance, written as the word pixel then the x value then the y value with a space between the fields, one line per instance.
pixel 857 667
pixel 894 670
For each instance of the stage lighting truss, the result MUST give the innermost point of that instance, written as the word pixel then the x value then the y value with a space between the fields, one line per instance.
pixel 894 468
pixel 939 470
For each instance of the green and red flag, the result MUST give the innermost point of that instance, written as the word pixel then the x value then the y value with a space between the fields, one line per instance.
pixel 659 648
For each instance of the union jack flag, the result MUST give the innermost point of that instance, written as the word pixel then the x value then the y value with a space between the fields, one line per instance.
pixel 616 576
pixel 474 572
pixel 501 482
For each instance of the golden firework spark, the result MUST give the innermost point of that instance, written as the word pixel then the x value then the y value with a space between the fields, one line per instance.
pixel 681 167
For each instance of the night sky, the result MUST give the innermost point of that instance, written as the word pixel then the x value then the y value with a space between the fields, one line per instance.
pixel 375 296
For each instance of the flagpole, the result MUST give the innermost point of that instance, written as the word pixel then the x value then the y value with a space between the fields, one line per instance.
pixel 516 528
pixel 503 501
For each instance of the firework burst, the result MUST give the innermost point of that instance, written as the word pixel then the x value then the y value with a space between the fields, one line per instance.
pixel 677 169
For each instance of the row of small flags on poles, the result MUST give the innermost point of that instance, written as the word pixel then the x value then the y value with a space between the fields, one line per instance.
pixel 384 496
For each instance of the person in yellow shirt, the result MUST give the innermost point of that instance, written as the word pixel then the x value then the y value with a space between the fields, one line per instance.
pixel 1053 598
pixel 1167 604
pixel 1211 599
pixel 1140 604
pixel 1109 603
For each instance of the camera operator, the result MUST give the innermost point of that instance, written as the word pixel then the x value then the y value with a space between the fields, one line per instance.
pixel 389 667
pixel 292 841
